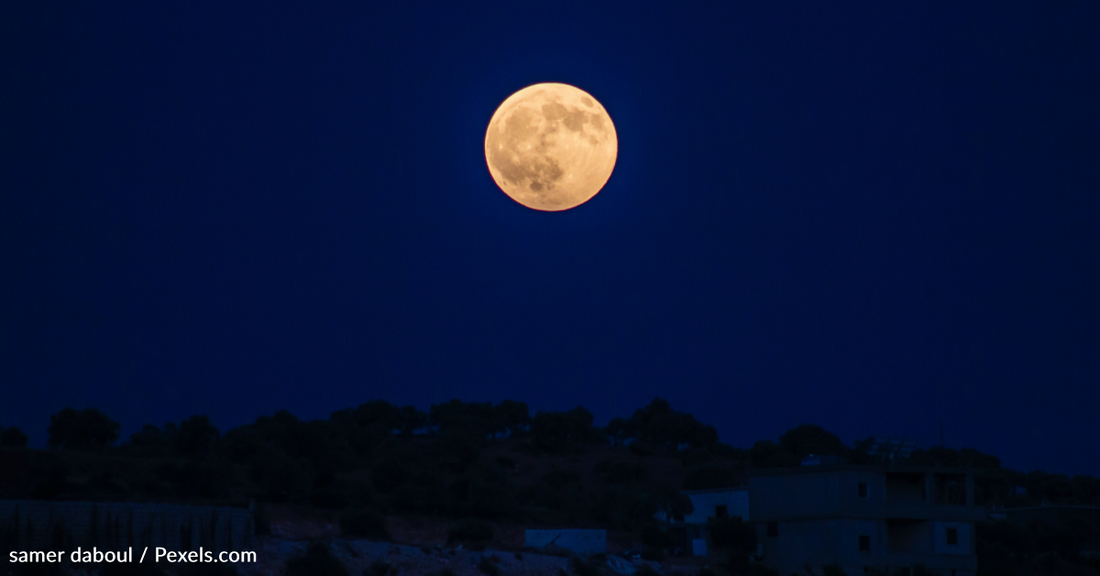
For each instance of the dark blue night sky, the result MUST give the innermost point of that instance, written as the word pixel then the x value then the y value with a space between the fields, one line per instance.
pixel 869 217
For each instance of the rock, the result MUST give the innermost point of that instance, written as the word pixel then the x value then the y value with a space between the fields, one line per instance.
pixel 621 566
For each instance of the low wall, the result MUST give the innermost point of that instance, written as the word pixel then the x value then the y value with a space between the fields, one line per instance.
pixel 45 525
pixel 579 541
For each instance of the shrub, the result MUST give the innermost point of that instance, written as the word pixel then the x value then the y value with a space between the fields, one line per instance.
pixel 833 569
pixel 732 534
pixel 112 569
pixel 709 475
pixel 317 561
pixel 12 438
pixel 261 519
pixel 654 537
pixel 646 570
pixel 377 568
pixel 364 523
pixel 487 567
pixel 206 570
pixel 585 568
pixel 470 530
pixel 87 429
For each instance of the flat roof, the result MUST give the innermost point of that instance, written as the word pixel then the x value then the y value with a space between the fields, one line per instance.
pixel 1047 507
pixel 710 490
pixel 875 468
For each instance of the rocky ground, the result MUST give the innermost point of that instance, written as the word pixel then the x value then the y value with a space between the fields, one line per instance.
pixel 358 555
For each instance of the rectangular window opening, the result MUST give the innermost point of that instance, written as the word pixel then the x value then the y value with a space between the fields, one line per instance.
pixel 720 511
pixel 863 491
pixel 864 543
pixel 773 529
pixel 953 536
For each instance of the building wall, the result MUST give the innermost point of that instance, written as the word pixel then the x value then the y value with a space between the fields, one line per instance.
pixel 964 538
pixel 906 488
pixel 822 495
pixel 821 514
pixel 41 525
pixel 905 536
pixel 579 541
pixel 816 543
pixel 704 504
pixel 819 542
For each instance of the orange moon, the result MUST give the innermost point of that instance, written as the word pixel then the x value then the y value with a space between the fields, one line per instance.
pixel 551 146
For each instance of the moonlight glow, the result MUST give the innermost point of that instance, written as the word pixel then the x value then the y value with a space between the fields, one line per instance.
pixel 551 146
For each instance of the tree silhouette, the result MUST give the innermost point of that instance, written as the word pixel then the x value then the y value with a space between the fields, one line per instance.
pixel 12 438
pixel 197 437
pixel 554 431
pixel 511 417
pixel 151 441
pixel 659 426
pixel 802 441
pixel 87 429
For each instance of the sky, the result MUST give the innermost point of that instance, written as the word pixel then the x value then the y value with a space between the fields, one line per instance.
pixel 875 218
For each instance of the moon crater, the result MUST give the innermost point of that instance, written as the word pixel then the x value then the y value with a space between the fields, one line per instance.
pixel 551 146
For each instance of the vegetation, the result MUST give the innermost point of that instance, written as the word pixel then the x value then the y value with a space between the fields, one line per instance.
pixel 379 568
pixel 476 464
pixel 12 438
pixel 585 566
pixel 316 561
pixel 487 567
pixel 470 530
pixel 732 535
pixel 364 523
pixel 87 429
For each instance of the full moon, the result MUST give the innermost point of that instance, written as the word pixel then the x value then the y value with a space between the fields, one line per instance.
pixel 551 146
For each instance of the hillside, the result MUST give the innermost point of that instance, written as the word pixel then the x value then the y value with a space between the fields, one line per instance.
pixel 449 476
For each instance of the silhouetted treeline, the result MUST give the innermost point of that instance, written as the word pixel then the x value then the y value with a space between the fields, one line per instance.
pixel 477 462
pixel 404 459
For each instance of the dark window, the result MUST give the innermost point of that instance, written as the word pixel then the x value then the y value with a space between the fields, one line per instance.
pixel 952 535
pixel 864 543
pixel 773 529
pixel 720 511
pixel 863 490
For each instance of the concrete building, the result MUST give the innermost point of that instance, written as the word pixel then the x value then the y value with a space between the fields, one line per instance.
pixel 714 503
pixel 690 530
pixel 884 517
